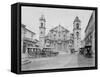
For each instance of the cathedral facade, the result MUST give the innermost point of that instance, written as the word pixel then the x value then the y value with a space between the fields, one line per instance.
pixel 59 38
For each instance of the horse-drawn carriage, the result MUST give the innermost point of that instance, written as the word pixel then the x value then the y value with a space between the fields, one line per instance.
pixel 86 51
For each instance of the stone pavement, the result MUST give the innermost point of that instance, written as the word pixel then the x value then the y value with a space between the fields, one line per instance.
pixel 60 61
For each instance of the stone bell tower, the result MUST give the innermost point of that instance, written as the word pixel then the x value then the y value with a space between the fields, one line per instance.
pixel 77 33
pixel 42 31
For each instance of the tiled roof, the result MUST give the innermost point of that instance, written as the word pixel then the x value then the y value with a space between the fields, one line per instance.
pixel 27 29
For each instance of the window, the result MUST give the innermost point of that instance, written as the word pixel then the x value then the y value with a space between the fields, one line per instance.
pixel 54 36
pixel 24 47
pixel 64 37
pixel 77 34
pixel 77 25
pixel 41 24
pixel 41 32
pixel 59 33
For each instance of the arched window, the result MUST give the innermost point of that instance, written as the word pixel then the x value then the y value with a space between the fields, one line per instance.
pixel 54 36
pixel 77 25
pixel 64 37
pixel 77 34
pixel 41 24
pixel 59 33
pixel 41 32
pixel 24 47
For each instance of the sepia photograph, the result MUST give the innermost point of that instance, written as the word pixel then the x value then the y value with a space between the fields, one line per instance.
pixel 54 38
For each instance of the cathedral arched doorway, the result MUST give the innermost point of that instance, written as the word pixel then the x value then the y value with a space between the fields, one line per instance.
pixel 59 45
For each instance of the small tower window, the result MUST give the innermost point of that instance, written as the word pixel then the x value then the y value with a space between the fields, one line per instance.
pixel 77 25
pixel 77 34
pixel 41 24
pixel 41 32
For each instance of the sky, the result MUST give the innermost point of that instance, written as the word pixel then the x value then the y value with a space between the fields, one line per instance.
pixel 54 16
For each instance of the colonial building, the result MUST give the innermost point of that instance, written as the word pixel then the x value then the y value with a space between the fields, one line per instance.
pixel 77 33
pixel 58 38
pixel 90 32
pixel 27 39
